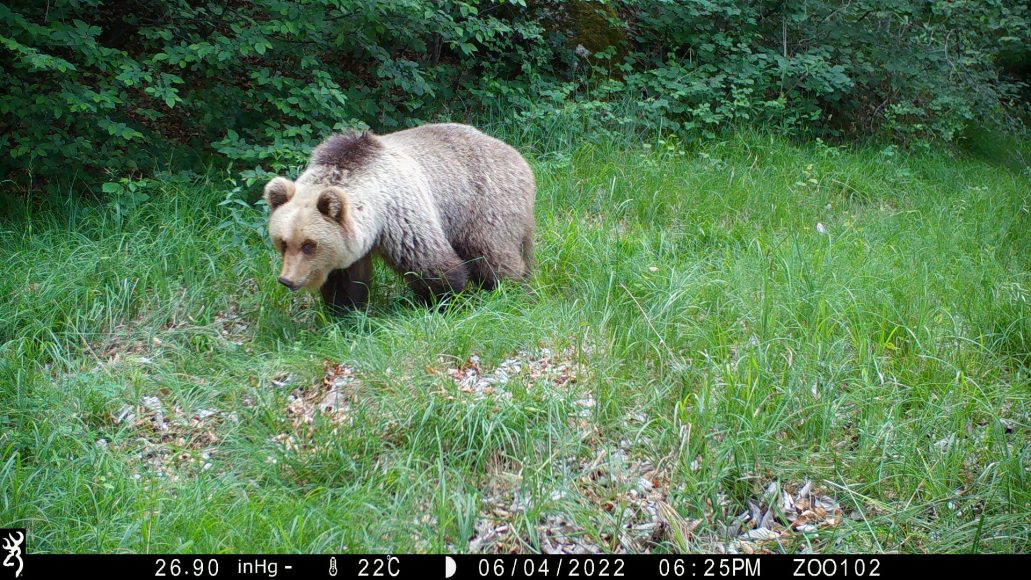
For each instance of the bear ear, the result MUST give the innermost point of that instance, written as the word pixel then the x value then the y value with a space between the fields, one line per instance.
pixel 278 191
pixel 331 204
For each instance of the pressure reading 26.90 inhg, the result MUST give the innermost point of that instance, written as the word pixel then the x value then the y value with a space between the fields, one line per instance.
pixel 176 568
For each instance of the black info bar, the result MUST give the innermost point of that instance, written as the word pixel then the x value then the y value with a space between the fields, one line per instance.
pixel 258 566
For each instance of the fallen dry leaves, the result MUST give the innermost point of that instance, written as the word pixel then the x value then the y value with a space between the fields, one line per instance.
pixel 173 443
pixel 332 398
pixel 635 492
pixel 609 484
pixel 780 513
pixel 539 367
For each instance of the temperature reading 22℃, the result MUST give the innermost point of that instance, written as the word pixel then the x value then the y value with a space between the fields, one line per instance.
pixel 379 567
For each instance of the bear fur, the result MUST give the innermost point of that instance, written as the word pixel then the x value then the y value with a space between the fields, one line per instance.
pixel 443 204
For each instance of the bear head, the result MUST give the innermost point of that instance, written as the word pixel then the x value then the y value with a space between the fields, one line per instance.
pixel 312 229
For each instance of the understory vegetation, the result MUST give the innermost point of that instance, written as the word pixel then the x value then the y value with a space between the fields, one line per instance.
pixel 100 91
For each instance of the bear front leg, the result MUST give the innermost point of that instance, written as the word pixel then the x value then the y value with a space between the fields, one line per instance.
pixel 348 288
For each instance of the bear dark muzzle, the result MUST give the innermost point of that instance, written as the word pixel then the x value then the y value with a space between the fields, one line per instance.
pixel 293 286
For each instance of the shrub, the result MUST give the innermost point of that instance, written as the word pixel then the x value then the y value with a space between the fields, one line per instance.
pixel 109 89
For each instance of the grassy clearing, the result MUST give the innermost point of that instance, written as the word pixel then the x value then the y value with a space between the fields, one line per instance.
pixel 694 349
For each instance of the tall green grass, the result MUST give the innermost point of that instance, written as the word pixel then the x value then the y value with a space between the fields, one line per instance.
pixel 724 338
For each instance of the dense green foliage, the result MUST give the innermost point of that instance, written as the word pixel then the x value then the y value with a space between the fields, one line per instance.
pixel 108 89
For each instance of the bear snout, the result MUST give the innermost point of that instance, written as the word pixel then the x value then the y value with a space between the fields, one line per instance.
pixel 293 286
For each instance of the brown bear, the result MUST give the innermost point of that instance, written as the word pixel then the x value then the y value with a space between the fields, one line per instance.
pixel 442 204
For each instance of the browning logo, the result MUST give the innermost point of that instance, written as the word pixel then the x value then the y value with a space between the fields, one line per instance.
pixel 13 540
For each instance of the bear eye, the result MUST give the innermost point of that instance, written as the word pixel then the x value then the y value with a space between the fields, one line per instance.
pixel 308 247
pixel 282 246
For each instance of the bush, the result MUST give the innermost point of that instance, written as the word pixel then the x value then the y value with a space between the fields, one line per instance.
pixel 913 70
pixel 108 89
